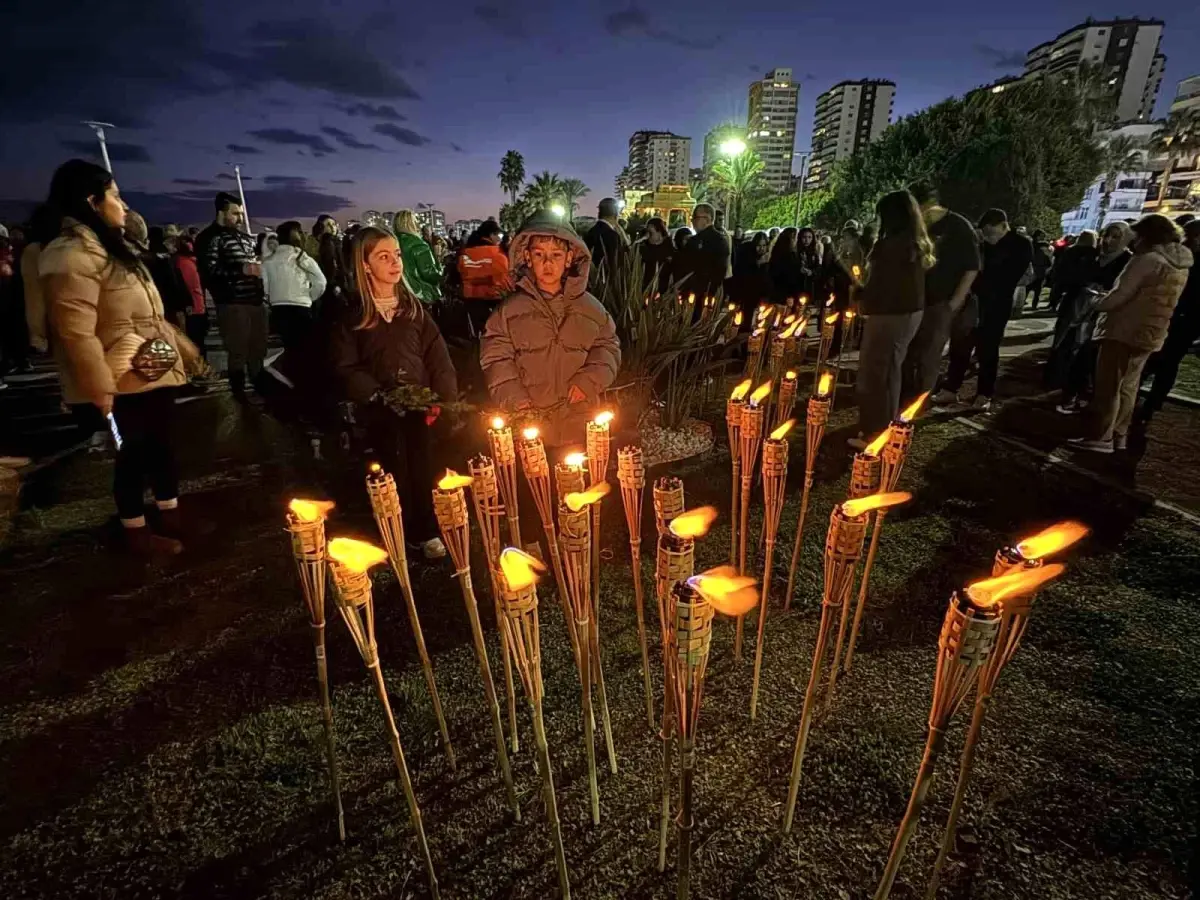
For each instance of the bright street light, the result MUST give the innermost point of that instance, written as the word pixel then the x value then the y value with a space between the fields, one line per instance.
pixel 620 204
pixel 733 147
pixel 558 210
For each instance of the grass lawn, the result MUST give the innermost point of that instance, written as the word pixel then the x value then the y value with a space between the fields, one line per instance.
pixel 160 735
pixel 1188 381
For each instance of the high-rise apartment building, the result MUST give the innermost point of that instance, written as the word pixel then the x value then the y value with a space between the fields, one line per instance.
pixel 1187 96
pixel 849 116
pixel 434 218
pixel 715 138
pixel 657 158
pixel 1125 52
pixel 771 125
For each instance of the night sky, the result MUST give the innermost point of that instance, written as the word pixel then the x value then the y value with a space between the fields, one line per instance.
pixel 345 106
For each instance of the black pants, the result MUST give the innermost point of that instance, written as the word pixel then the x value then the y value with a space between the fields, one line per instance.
pixel 292 324
pixel 147 454
pixel 1164 365
pixel 478 312
pixel 1034 288
pixel 984 339
pixel 1081 374
pixel 197 330
pixel 403 446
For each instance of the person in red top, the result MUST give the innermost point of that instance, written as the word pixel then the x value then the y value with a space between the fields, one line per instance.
pixel 483 267
pixel 197 314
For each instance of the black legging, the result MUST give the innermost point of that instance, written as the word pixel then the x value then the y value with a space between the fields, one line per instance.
pixel 292 324
pixel 145 421
pixel 402 445
pixel 1163 366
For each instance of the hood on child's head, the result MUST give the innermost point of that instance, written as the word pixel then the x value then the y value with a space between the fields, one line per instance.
pixel 543 225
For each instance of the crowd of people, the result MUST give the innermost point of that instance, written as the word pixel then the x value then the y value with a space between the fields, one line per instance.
pixel 124 310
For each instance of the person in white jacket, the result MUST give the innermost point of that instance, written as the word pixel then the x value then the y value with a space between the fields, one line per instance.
pixel 293 282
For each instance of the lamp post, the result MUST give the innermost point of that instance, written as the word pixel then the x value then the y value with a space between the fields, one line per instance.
pixel 99 127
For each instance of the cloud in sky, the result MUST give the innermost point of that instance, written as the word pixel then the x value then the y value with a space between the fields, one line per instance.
pixel 1000 58
pixel 502 19
pixel 346 139
pixel 117 151
pixel 192 182
pixel 244 149
pixel 383 111
pixel 316 144
pixel 401 135
pixel 633 22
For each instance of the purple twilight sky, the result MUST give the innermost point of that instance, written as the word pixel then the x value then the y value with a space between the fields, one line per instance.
pixel 344 106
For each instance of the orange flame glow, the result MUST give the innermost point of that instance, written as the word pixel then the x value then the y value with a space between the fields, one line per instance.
pixel 991 591
pixel 519 568
pixel 829 302
pixel 374 468
pixel 831 318
pixel 873 448
pixel 691 299
pixel 531 433
pixel 824 384
pixel 452 481
pixel 497 423
pixel 803 300
pixel 576 460
pixel 357 556
pixel 604 418
pixel 760 393
pixel 694 523
pixel 310 510
pixel 1053 540
pixel 910 412
pixel 737 320
pixel 576 502
pixel 731 307
pixel 854 508
pixel 789 319
pixel 740 392
pixel 789 331
pixel 781 432
pixel 729 593
pixel 789 375
pixel 855 271
pixel 850 314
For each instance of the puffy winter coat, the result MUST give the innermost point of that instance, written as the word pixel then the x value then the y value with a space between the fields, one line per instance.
pixel 1137 311
pixel 291 277
pixel 535 348
pixel 421 268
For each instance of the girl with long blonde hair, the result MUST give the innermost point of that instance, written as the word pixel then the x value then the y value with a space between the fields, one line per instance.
pixel 422 270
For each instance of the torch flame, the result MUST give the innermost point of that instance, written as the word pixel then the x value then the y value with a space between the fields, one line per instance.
pixel 829 302
pixel 729 593
pixel 310 510
pixel 519 568
pixel 789 319
pixel 604 418
pixel 854 508
pixel 873 448
pixel 691 299
pixel 737 320
pixel 452 481
pixel 740 392
pixel 991 591
pixel 855 271
pixel 731 307
pixel 1052 540
pixel 531 433
pixel 576 502
pixel 831 318
pixel 760 393
pixel 374 468
pixel 850 314
pixel 781 432
pixel 357 556
pixel 824 384
pixel 789 375
pixel 576 460
pixel 803 300
pixel 788 332
pixel 694 523
pixel 910 412
pixel 497 423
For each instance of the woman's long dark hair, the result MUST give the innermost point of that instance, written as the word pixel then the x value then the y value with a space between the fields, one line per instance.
pixel 900 219
pixel 76 182
pixel 782 249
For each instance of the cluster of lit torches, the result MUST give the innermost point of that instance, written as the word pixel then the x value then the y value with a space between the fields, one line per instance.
pixel 982 628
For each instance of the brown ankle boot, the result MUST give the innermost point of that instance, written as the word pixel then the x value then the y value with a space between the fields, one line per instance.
pixel 144 542
pixel 172 523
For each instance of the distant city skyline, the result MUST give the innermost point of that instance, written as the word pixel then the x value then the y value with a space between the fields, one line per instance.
pixel 350 108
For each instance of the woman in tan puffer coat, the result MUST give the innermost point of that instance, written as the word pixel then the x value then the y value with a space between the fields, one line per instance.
pixel 551 346
pixel 1133 323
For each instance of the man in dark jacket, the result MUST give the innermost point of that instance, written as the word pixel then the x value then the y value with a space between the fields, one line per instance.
pixel 231 272
pixel 705 259
pixel 605 241
pixel 1006 257
pixel 1182 335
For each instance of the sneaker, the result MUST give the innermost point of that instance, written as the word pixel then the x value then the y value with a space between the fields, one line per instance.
pixel 1067 409
pixel 945 398
pixel 1120 442
pixel 433 548
pixel 1090 445
pixel 857 443
pixel 982 403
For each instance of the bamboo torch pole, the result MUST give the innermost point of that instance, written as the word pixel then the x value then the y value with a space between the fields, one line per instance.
pixel 504 454
pixel 485 496
pixel 450 506
pixel 785 400
pixel 306 526
pixel 537 473
pixel 847 329
pixel 750 436
pixel 828 329
pixel 774 468
pixel 518 593
pixel 598 452
pixel 894 453
pixel 754 352
pixel 733 427
pixel 668 502
pixel 814 433
pixel 843 547
pixel 631 474
pixel 349 562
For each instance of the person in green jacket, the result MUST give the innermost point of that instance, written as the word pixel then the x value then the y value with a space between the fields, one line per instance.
pixel 422 271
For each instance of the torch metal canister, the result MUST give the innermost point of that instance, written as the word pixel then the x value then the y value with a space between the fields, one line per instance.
pixel 568 479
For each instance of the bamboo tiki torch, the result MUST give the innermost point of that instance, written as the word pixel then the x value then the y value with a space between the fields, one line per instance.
pixel 828 328
pixel 733 427
pixel 750 435
pixel 485 496
pixel 306 526
pixel 675 563
pixel 783 347
pixel 967 643
pixel 814 432
pixel 802 332
pixel 518 592
pixel 843 546
pixel 504 454
pixel 694 602
pixel 847 328
pixel 385 504
pixel 1014 614
pixel 574 533
pixel 865 479
pixel 450 506
pixel 774 469
pixel 785 400
pixel 599 443
pixel 631 474
pixel 537 472
pixel 668 502
pixel 893 455
pixel 350 561
pixel 754 352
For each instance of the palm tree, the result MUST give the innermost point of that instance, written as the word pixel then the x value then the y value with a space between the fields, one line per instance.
pixel 545 190
pixel 512 173
pixel 1121 154
pixel 573 190
pixel 1179 136
pixel 738 178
